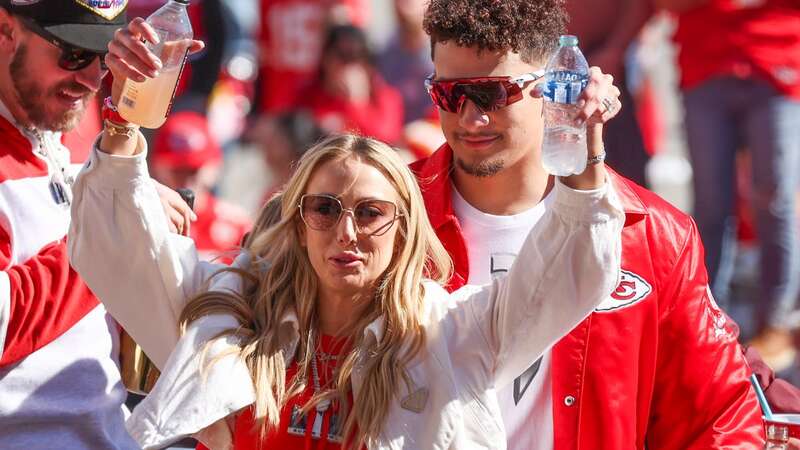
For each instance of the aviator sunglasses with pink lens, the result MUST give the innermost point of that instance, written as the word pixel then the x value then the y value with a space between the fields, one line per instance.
pixel 372 217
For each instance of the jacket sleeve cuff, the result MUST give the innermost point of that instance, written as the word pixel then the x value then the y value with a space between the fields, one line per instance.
pixel 116 171
pixel 595 205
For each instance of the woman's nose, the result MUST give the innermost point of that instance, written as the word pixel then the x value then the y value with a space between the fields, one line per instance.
pixel 346 230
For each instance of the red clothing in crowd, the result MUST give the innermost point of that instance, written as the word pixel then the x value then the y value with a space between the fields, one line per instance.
pixel 219 229
pixel 290 41
pixel 381 117
pixel 185 142
pixel 657 365
pixel 741 38
pixel 295 431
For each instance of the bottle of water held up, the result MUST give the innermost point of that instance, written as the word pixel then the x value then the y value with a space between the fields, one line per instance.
pixel 567 73
pixel 148 103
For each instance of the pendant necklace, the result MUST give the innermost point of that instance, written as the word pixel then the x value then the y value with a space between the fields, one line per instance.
pixel 298 423
pixel 60 182
pixel 322 406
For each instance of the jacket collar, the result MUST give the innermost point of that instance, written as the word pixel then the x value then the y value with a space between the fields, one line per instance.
pixel 632 204
pixel 433 176
pixel 434 172
pixel 32 137
pixel 291 325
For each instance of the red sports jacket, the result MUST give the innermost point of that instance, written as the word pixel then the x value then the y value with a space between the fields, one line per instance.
pixel 41 297
pixel 657 365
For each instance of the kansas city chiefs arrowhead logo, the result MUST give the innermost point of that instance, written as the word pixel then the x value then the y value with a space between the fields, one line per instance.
pixel 631 289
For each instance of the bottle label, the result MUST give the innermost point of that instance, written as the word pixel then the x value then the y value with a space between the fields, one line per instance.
pixel 564 86
pixel 129 102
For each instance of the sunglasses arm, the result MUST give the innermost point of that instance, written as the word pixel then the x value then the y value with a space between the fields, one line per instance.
pixel 527 78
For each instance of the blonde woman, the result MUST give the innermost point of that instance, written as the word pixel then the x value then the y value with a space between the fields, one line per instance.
pixel 340 337
pixel 329 333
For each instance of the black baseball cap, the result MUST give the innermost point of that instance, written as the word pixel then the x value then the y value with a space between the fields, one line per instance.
pixel 87 24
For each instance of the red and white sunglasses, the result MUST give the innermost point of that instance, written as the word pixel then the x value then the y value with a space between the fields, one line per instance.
pixel 487 93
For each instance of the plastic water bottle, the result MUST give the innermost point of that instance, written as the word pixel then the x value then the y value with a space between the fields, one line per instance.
pixel 148 104
pixel 566 75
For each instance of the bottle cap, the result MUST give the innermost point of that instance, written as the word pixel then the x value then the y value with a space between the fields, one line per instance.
pixel 568 40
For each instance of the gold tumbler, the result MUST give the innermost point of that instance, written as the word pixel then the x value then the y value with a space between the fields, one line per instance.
pixel 139 374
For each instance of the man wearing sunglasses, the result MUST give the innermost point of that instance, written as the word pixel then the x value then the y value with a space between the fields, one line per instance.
pixel 59 379
pixel 657 366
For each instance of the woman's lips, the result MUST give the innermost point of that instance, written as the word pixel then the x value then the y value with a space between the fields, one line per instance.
pixel 345 260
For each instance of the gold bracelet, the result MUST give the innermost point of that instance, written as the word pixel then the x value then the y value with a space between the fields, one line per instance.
pixel 115 129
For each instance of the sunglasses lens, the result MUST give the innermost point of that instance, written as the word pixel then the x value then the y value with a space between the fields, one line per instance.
pixel 488 96
pixel 77 59
pixel 441 96
pixel 373 216
pixel 320 212
pixel 71 58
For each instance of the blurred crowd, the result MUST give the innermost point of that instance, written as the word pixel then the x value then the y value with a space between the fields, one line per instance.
pixel 310 68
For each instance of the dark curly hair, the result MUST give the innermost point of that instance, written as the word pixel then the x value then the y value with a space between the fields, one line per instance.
pixel 528 27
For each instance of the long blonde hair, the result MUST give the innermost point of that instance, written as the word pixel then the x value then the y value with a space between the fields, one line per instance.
pixel 292 285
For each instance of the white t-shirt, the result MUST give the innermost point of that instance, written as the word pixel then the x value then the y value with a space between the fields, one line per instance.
pixel 493 243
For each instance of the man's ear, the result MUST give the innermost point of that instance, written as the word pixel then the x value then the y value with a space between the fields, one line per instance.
pixel 9 32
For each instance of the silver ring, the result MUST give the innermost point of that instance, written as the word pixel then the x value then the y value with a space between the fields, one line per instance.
pixel 609 104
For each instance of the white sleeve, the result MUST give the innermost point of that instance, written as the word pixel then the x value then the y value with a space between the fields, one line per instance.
pixel 567 266
pixel 120 243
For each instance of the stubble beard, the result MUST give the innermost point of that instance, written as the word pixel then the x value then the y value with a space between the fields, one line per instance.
pixel 33 98
pixel 482 169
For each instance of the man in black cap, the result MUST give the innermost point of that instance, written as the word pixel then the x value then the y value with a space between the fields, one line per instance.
pixel 59 379
pixel 53 50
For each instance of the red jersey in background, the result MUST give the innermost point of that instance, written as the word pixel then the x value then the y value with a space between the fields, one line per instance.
pixel 381 117
pixel 290 42
pixel 219 229
pixel 742 38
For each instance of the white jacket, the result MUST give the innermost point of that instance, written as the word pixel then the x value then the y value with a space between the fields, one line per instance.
pixel 477 338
